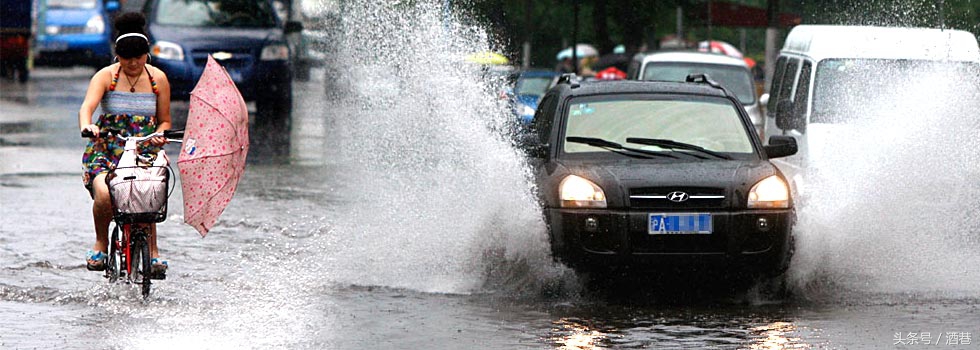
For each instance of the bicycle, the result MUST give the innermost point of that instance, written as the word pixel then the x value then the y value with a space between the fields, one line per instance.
pixel 139 191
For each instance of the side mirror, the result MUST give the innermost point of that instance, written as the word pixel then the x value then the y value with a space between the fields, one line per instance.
pixel 764 99
pixel 111 6
pixel 781 146
pixel 293 27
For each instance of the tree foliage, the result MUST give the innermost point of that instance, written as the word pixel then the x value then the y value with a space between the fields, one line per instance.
pixel 638 24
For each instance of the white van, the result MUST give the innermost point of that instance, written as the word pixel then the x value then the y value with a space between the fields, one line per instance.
pixel 822 72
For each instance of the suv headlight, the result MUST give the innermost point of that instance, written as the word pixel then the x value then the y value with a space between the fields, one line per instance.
pixel 770 193
pixel 166 50
pixel 577 192
pixel 95 25
pixel 274 52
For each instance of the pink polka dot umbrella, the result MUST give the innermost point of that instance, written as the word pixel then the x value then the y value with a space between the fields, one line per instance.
pixel 215 145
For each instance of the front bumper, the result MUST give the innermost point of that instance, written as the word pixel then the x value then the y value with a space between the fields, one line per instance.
pixel 67 50
pixel 600 239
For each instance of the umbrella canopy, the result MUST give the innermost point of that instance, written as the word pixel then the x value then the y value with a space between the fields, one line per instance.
pixel 581 50
pixel 611 73
pixel 215 144
pixel 719 47
pixel 487 57
pixel 619 60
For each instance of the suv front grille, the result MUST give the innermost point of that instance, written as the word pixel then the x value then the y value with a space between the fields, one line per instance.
pixel 658 198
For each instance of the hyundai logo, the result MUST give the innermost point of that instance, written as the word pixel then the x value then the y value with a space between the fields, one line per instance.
pixel 678 196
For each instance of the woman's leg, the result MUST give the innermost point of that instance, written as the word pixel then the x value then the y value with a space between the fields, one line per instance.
pixel 102 212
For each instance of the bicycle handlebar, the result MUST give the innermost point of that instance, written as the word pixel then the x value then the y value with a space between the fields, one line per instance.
pixel 170 134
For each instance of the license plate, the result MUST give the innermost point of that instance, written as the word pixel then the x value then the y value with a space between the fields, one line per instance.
pixel 667 224
pixel 53 46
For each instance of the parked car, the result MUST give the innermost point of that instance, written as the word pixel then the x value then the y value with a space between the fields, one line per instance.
pixel 246 37
pixel 75 32
pixel 828 75
pixel 15 38
pixel 529 86
pixel 656 176
pixel 730 72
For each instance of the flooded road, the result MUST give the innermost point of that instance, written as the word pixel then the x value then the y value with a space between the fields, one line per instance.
pixel 397 218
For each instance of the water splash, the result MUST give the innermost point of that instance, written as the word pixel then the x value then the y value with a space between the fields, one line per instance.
pixel 891 197
pixel 439 198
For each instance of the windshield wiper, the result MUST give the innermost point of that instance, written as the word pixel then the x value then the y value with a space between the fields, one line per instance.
pixel 615 147
pixel 671 144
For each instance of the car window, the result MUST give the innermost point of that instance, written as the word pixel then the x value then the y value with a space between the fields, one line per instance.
pixel 777 83
pixel 802 96
pixel 71 4
pixel 534 85
pixel 542 125
pixel 215 13
pixel 786 84
pixel 846 89
pixel 712 124
pixel 738 80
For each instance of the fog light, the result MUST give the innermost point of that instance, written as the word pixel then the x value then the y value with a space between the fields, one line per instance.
pixel 763 224
pixel 591 224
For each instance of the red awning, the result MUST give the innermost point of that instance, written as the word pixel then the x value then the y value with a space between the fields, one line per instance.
pixel 727 14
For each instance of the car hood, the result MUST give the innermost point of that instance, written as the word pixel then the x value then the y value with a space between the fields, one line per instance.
pixel 209 38
pixel 68 17
pixel 618 178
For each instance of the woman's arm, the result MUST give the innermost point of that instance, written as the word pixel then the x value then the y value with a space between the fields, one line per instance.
pixel 96 89
pixel 163 105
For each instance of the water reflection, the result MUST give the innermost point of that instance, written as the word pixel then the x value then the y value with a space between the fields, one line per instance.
pixel 715 329
pixel 777 335
pixel 572 335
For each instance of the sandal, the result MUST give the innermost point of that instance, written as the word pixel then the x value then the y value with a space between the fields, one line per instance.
pixel 95 261
pixel 158 269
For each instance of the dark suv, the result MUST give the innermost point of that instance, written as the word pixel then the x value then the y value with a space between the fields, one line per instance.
pixel 659 176
pixel 246 37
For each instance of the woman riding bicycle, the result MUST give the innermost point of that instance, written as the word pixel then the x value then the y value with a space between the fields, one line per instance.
pixel 138 104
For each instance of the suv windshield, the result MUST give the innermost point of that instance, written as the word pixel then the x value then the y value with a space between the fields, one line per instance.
pixel 736 79
pixel 72 4
pixel 847 89
pixel 714 125
pixel 216 13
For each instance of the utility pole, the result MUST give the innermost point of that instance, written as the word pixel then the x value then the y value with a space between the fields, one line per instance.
pixel 528 29
pixel 772 12
pixel 575 37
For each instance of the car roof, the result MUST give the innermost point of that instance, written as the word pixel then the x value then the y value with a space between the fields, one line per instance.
pixel 693 57
pixel 830 41
pixel 599 87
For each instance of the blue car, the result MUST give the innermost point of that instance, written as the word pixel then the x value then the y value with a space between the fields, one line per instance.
pixel 246 37
pixel 75 32
pixel 528 89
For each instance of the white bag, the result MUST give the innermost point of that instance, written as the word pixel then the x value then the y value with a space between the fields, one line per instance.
pixel 140 191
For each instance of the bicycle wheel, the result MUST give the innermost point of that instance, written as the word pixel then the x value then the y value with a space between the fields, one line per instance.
pixel 112 264
pixel 140 252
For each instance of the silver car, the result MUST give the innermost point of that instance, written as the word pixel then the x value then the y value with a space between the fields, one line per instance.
pixel 732 73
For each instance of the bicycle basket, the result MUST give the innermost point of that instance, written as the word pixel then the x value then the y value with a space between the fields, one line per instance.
pixel 139 193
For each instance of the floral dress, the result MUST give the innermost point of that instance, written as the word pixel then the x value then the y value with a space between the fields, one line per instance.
pixel 132 112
